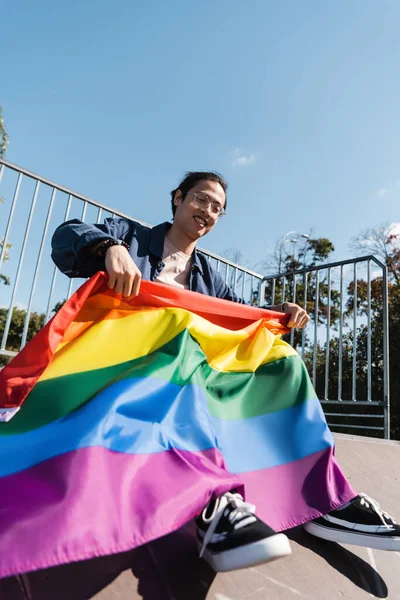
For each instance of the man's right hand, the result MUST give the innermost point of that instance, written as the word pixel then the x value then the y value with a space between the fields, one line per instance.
pixel 123 275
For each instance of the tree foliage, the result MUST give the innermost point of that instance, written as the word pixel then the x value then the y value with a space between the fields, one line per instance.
pixel 14 337
pixel 3 135
pixel 383 242
pixel 4 278
pixel 302 288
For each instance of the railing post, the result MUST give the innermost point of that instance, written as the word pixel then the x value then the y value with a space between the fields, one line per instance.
pixel 10 218
pixel 386 384
pixel 261 293
pixel 352 390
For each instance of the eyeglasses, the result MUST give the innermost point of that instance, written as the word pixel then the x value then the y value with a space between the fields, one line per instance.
pixel 201 200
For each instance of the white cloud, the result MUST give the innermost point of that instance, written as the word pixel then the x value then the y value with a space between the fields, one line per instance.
pixel 244 161
pixel 382 193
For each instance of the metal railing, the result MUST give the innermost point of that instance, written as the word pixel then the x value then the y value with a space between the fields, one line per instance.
pixel 346 345
pixel 33 206
pixel 36 206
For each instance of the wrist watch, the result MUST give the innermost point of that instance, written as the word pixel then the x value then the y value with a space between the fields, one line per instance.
pixel 283 306
pixel 104 246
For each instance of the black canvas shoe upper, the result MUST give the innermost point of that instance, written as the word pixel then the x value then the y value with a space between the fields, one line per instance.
pixel 362 515
pixel 228 522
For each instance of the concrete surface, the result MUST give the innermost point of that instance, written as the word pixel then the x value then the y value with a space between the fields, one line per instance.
pixel 168 569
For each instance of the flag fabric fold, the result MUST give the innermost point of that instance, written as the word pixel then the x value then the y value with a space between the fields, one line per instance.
pixel 133 414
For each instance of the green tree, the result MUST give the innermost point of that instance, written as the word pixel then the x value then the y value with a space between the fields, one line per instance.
pixel 4 278
pixel 384 243
pixel 36 322
pixel 14 337
pixel 313 252
pixel 3 135
pixel 59 305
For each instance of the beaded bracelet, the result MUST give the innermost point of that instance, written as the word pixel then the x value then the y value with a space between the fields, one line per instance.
pixel 104 246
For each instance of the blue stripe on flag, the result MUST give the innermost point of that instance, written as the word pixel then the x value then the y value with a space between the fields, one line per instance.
pixel 146 416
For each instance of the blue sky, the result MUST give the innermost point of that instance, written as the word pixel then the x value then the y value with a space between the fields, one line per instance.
pixel 296 103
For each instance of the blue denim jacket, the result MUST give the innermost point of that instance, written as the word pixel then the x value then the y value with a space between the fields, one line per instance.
pixel 72 239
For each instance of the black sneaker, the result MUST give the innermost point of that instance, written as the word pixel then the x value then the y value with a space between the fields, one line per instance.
pixel 360 522
pixel 230 536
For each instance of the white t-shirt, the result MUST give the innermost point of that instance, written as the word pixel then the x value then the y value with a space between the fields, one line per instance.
pixel 177 266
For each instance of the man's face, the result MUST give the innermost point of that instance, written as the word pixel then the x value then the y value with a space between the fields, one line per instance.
pixel 192 220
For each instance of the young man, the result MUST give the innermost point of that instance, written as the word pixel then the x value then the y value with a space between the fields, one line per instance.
pixel 167 253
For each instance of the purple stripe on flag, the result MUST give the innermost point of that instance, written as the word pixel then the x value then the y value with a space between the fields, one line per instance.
pixel 300 491
pixel 94 502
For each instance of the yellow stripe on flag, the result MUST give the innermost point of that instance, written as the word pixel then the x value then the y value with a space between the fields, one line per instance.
pixel 101 342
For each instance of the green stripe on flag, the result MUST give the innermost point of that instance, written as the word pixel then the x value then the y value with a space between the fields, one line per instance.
pixel 230 395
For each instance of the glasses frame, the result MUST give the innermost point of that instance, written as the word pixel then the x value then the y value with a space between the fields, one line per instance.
pixel 221 213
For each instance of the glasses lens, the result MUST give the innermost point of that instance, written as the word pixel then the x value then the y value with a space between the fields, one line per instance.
pixel 203 201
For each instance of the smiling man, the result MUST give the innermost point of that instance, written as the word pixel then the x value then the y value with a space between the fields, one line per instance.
pixel 129 251
pixel 228 530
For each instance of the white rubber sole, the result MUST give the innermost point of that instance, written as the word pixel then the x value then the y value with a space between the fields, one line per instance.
pixel 353 537
pixel 267 550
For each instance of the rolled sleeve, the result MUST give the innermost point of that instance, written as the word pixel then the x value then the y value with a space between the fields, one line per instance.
pixel 72 239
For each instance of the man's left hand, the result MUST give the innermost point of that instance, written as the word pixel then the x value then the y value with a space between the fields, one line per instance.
pixel 298 316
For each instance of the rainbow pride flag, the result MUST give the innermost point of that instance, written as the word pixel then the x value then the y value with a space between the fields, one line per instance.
pixel 128 416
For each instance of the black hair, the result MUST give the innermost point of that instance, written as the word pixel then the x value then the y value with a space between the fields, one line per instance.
pixel 193 177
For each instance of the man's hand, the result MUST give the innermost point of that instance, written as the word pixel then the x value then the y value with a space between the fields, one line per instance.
pixel 298 316
pixel 123 275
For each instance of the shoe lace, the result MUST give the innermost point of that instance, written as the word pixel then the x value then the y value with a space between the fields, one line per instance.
pixel 384 516
pixel 241 514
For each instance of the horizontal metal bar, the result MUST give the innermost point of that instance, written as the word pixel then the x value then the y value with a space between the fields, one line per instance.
pixel 8 353
pixel 356 426
pixel 354 415
pixel 354 403
pixel 349 261
pixel 64 189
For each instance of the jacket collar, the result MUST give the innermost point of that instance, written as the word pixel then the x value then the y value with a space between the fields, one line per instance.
pixel 157 235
